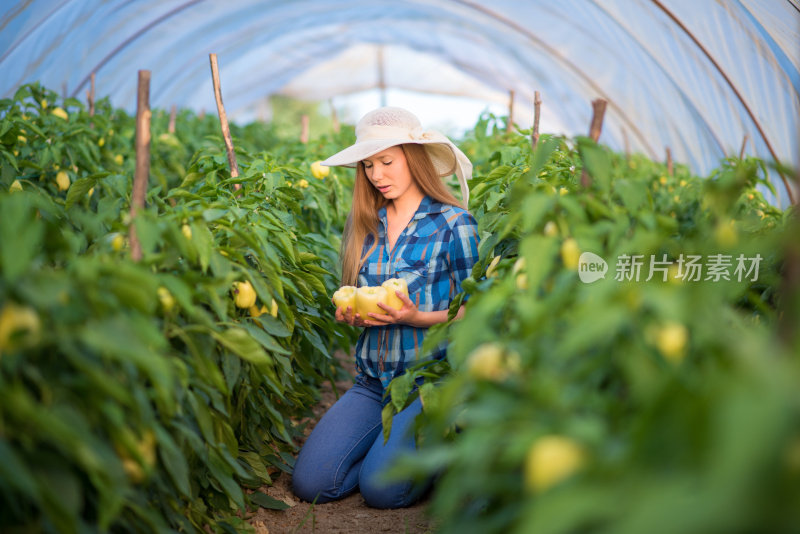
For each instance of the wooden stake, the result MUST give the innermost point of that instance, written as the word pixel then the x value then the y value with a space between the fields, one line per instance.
pixel 669 162
pixel 744 144
pixel 598 111
pixel 223 119
pixel 142 173
pixel 595 127
pixel 510 123
pixel 537 107
pixel 173 112
pixel 90 96
pixel 304 129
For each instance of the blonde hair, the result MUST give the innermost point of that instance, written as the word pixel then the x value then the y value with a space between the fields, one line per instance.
pixel 367 201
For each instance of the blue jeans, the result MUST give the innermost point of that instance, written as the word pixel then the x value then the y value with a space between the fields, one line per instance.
pixel 345 451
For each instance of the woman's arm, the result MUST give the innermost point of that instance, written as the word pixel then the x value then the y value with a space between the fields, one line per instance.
pixel 428 319
pixel 408 314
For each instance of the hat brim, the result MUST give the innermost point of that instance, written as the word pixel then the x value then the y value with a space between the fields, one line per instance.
pixel 441 154
pixel 446 157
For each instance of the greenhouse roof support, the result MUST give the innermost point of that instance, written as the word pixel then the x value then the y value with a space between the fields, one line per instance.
pixel 693 76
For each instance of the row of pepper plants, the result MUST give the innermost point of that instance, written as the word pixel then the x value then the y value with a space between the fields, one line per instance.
pixel 140 397
pixel 582 399
pixel 159 395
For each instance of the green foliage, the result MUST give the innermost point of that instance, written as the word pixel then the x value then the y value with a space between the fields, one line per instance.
pixel 135 396
pixel 680 393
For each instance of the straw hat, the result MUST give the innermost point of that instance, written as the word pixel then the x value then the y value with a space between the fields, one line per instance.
pixel 386 127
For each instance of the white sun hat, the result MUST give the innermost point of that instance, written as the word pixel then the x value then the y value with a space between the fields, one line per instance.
pixel 386 127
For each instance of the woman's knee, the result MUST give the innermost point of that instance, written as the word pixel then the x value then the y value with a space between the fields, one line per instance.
pixel 312 484
pixel 381 492
pixel 385 496
pixel 306 485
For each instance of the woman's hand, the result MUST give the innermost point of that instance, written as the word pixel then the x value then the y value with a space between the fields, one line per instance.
pixel 405 315
pixel 408 314
pixel 348 315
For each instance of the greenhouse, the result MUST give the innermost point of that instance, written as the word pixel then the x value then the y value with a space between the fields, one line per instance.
pixel 619 347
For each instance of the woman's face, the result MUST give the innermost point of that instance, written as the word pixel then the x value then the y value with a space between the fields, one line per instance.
pixel 388 172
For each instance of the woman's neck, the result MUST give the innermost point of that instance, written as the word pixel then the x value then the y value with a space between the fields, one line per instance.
pixel 405 206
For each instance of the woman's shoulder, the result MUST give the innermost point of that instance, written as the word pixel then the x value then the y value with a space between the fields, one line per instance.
pixel 455 215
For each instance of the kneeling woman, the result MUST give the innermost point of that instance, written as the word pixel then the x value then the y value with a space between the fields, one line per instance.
pixel 404 223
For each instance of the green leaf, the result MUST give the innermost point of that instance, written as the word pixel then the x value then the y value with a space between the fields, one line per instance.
pixel 202 415
pixel 188 180
pixel 400 387
pixel 5 126
pixel 148 232
pixel 221 471
pixel 173 461
pixel 133 286
pixel 387 414
pixel 429 397
pixel 212 214
pixel 596 161
pixel 314 338
pixel 255 462
pixel 131 339
pixel 80 188
pixel 266 340
pixel 265 501
pixel 204 243
pixel 273 326
pixel 633 195
pixel 14 472
pixel 20 235
pixel 544 150
pixel 241 343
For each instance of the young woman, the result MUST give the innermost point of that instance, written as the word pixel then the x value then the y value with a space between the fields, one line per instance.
pixel 404 223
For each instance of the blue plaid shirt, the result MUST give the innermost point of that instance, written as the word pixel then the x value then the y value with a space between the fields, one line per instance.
pixel 434 254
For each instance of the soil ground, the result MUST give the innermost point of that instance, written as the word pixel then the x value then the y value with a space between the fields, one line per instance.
pixel 349 515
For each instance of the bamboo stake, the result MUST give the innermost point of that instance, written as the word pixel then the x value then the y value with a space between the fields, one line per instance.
pixel 669 162
pixel 304 129
pixel 537 108
pixel 595 127
pixel 142 173
pixel 744 144
pixel 223 119
pixel 172 115
pixel 510 123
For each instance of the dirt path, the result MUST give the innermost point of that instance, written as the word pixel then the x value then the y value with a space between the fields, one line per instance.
pixel 349 515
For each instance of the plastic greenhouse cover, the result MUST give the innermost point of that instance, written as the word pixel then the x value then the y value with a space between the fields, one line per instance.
pixel 696 76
